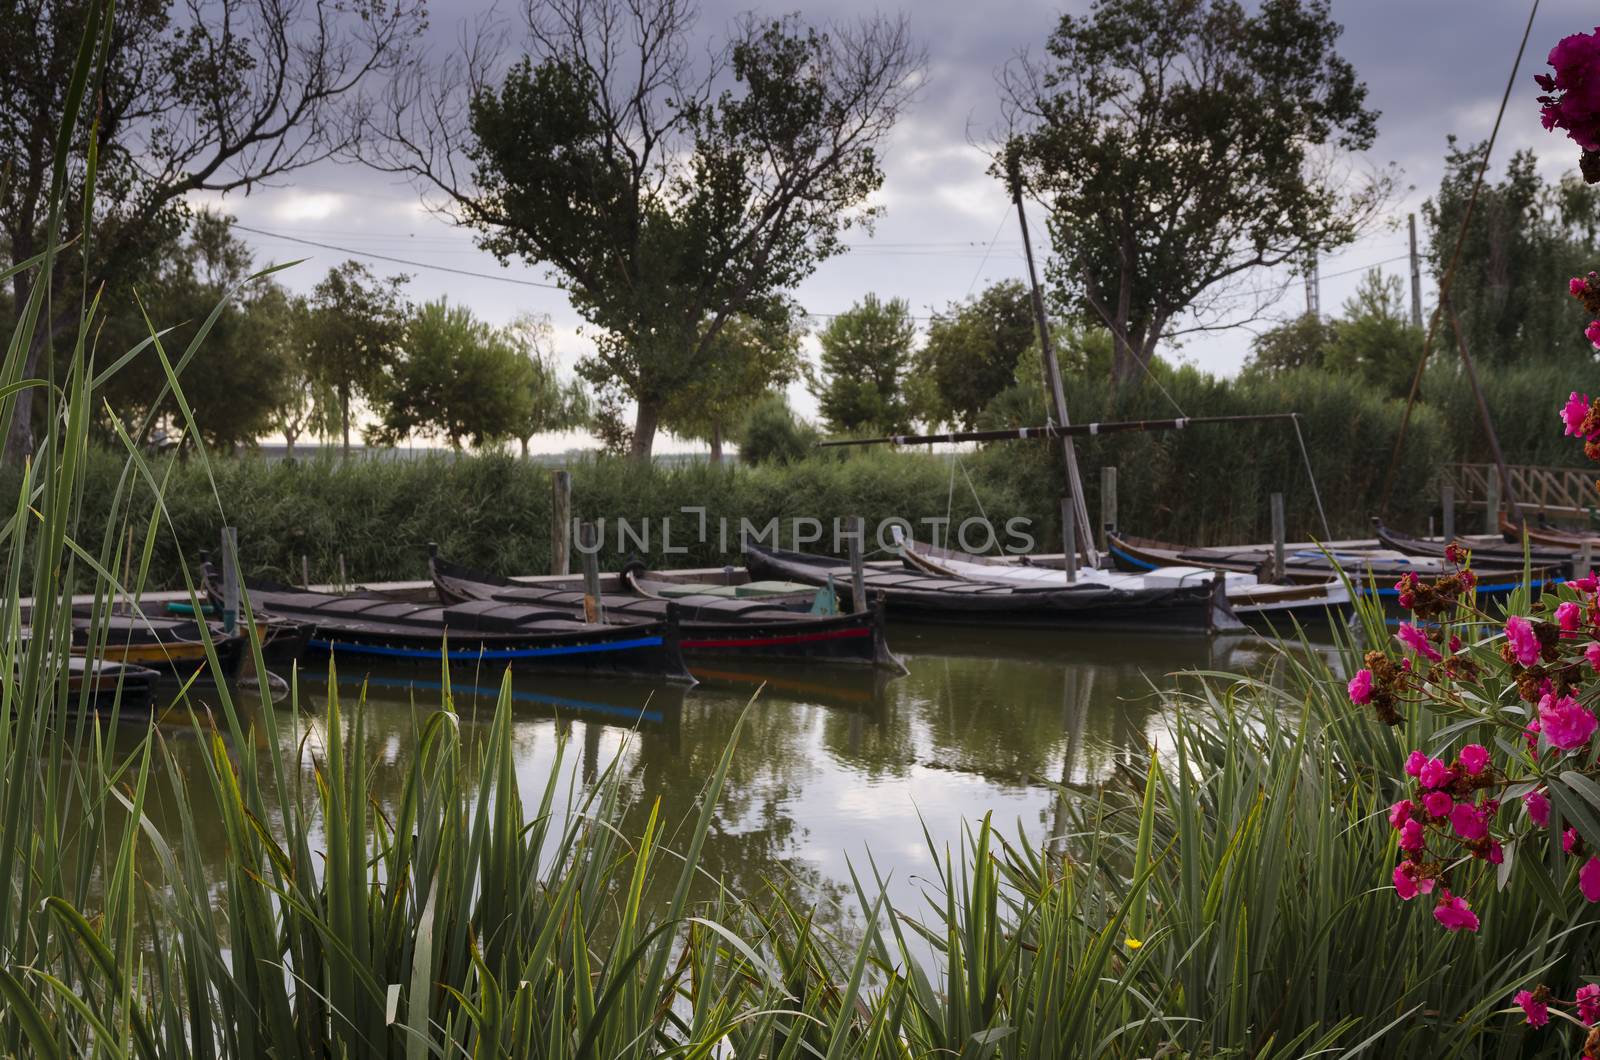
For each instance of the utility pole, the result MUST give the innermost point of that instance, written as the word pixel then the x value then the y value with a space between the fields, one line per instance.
pixel 1416 275
pixel 1313 287
pixel 1052 371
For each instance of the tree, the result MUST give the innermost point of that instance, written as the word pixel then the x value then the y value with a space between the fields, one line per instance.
pixel 1298 343
pixel 666 197
pixel 866 351
pixel 750 358
pixel 218 97
pixel 1376 341
pixel 455 378
pixel 352 335
pixel 1526 239
pixel 544 401
pixel 239 375
pixel 972 351
pixel 772 434
pixel 304 406
pixel 1180 144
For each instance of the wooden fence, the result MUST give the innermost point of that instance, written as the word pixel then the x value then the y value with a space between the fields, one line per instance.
pixel 1562 492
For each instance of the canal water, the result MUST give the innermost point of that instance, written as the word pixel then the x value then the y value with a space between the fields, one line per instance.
pixel 835 765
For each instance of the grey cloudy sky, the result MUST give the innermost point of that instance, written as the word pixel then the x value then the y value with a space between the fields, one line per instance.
pixel 1433 67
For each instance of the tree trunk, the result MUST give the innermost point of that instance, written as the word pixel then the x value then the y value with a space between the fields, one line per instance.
pixel 524 442
pixel 19 441
pixel 288 445
pixel 644 432
pixel 716 444
pixel 344 417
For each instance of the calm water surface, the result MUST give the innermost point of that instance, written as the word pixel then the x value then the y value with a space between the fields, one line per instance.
pixel 836 765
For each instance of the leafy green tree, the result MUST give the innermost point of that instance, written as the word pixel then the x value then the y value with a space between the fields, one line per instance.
pixel 352 335
pixel 239 376
pixel 1299 343
pixel 305 407
pixel 667 195
pixel 773 434
pixel 866 352
pixel 1527 237
pixel 212 97
pixel 971 352
pixel 1180 144
pixel 544 401
pixel 455 378
pixel 1375 340
pixel 753 357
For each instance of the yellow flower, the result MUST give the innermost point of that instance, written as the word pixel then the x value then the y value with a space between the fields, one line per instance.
pixel 1132 943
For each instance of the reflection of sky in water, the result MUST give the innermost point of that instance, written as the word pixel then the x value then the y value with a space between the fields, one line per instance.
pixel 836 767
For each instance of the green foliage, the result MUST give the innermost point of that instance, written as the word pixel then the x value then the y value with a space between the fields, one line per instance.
pixel 751 359
pixel 352 335
pixel 1183 143
pixel 667 206
pixel 866 352
pixel 773 434
pixel 1294 344
pixel 1526 239
pixel 239 382
pixel 971 352
pixel 455 378
pixel 543 400
pixel 1375 341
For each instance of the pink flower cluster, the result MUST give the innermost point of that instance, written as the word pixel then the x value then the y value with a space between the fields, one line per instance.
pixel 1444 804
pixel 1572 99
pixel 1535 1004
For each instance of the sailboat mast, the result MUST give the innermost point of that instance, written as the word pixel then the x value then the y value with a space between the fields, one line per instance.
pixel 1052 373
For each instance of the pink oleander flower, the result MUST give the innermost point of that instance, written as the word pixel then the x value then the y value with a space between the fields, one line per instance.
pixel 1454 912
pixel 1414 763
pixel 1455 644
pixel 1578 286
pixel 1454 553
pixel 1592 654
pixel 1569 616
pixel 1574 411
pixel 1417 641
pixel 1588 999
pixel 1531 735
pixel 1497 853
pixel 1592 333
pixel 1564 722
pixel 1535 1012
pixel 1589 879
pixel 1405 590
pixel 1569 839
pixel 1524 643
pixel 1435 774
pixel 1405 881
pixel 1360 688
pixel 1474 758
pixel 1470 822
pixel 1586 584
pixel 1538 808
pixel 1438 803
pixel 1412 839
pixel 1400 813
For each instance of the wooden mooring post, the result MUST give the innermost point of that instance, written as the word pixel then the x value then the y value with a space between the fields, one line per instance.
pixel 1447 505
pixel 560 522
pixel 858 571
pixel 589 549
pixel 1585 560
pixel 1069 536
pixel 1108 504
pixel 1279 536
pixel 230 578
pixel 1491 508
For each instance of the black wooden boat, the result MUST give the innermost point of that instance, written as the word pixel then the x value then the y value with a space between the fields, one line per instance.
pixel 111 687
pixel 1371 573
pixel 934 598
pixel 371 626
pixel 1486 550
pixel 751 628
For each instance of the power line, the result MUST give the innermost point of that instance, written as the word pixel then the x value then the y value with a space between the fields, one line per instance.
pixel 399 261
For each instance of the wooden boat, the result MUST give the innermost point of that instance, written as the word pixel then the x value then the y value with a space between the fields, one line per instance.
pixel 172 646
pixel 935 598
pixel 1567 541
pixel 370 626
pixel 1370 572
pixel 107 687
pixel 1486 549
pixel 1249 597
pixel 711 625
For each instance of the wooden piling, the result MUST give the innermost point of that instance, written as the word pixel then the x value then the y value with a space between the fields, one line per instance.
pixel 344 583
pixel 1585 560
pixel 1069 535
pixel 1279 536
pixel 1447 504
pixel 588 549
pixel 1108 504
pixel 858 571
pixel 1491 512
pixel 305 570
pixel 560 522
pixel 230 578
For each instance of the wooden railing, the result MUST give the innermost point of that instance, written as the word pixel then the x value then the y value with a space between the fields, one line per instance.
pixel 1568 492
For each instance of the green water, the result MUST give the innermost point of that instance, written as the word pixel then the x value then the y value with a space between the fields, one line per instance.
pixel 836 765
